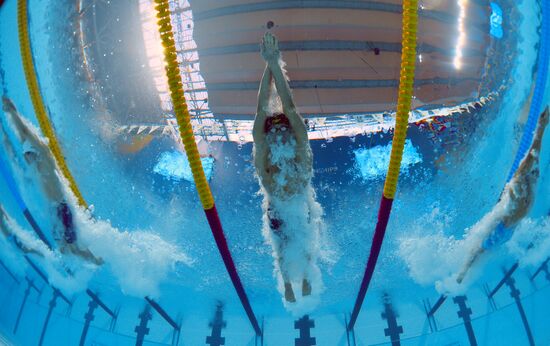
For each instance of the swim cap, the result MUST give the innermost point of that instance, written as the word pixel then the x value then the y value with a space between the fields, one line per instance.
pixel 276 119
pixel 28 148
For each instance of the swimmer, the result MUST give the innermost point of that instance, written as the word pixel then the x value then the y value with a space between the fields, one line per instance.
pixel 38 156
pixel 516 198
pixel 283 161
pixel 7 230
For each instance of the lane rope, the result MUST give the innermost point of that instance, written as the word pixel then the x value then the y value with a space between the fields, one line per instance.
pixel 406 80
pixel 37 101
pixel 188 138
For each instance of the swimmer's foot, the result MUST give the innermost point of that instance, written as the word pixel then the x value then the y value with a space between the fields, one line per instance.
pixel 306 288
pixel 289 293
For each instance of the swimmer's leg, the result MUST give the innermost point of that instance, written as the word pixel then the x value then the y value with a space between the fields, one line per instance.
pixel 306 288
pixel 85 254
pixel 279 245
pixel 68 243
pixel 306 285
pixel 289 293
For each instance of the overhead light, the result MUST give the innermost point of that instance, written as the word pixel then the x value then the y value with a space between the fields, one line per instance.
pixel 457 62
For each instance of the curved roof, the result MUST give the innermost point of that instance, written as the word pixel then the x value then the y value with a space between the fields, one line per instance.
pixel 328 47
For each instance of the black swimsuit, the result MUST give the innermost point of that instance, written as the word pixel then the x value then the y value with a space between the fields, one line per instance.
pixel 274 222
pixel 66 217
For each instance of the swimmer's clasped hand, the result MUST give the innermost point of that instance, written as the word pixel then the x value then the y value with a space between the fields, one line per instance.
pixel 270 47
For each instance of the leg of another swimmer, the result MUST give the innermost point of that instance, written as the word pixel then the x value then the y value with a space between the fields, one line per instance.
pixel 469 263
pixel 85 254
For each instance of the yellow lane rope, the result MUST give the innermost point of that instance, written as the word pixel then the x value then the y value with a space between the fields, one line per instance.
pixel 36 98
pixel 180 105
pixel 406 80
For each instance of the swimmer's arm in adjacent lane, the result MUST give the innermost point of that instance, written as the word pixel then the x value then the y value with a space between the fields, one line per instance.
pixel 47 162
pixel 22 130
pixel 8 145
pixel 522 185
pixel 8 232
pixel 3 223
pixel 524 179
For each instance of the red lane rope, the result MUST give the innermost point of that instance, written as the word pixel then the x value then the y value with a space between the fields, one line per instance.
pixel 217 230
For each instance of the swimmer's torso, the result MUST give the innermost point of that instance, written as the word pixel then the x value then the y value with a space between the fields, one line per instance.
pixel 289 171
pixel 49 178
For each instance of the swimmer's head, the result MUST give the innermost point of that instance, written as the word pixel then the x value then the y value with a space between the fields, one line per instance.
pixel 544 117
pixel 29 152
pixel 7 104
pixel 277 123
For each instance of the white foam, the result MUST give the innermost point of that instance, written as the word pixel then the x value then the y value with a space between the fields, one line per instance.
pixel 530 243
pixel 430 258
pixel 296 246
pixel 140 260
pixel 453 256
pixel 174 165
pixel 440 259
pixel 302 224
pixel 65 272
pixel 9 257
pixel 373 162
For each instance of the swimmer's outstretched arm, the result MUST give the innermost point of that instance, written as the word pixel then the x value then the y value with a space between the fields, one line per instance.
pixel 271 53
pixel 7 231
pixel 522 185
pixel 534 150
pixel 27 134
pixel 260 145
pixel 524 178
pixel 3 226
pixel 23 132
pixel 261 111
pixel 22 129
pixel 8 145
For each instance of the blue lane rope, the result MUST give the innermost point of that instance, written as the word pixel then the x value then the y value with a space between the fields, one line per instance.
pixel 540 86
pixel 502 234
pixel 12 186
